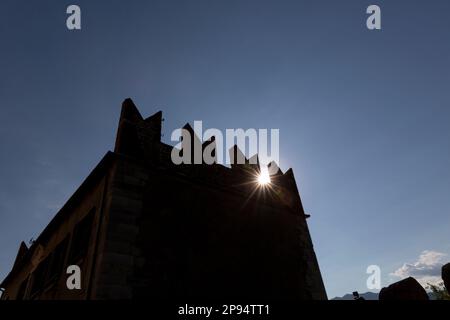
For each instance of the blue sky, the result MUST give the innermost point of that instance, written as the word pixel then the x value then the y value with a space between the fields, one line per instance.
pixel 363 115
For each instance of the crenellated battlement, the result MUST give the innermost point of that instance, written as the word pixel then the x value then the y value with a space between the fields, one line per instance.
pixel 141 139
pixel 142 227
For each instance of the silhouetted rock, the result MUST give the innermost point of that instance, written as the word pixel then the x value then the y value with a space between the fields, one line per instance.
pixel 446 276
pixel 406 289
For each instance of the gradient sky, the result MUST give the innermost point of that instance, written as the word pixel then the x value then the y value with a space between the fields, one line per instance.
pixel 363 115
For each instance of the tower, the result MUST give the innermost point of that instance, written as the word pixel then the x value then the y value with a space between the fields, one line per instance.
pixel 142 227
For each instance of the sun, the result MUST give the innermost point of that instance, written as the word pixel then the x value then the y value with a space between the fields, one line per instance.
pixel 263 177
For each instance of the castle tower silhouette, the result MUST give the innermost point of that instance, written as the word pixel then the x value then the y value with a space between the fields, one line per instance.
pixel 141 227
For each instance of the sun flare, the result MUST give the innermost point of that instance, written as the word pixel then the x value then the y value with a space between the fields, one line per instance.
pixel 263 177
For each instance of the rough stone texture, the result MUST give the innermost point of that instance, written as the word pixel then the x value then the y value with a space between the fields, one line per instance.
pixel 187 231
pixel 406 289
pixel 446 276
pixel 197 231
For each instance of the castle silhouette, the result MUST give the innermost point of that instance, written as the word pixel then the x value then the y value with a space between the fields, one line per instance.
pixel 141 227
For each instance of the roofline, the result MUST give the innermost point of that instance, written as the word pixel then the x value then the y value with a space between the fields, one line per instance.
pixel 97 173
